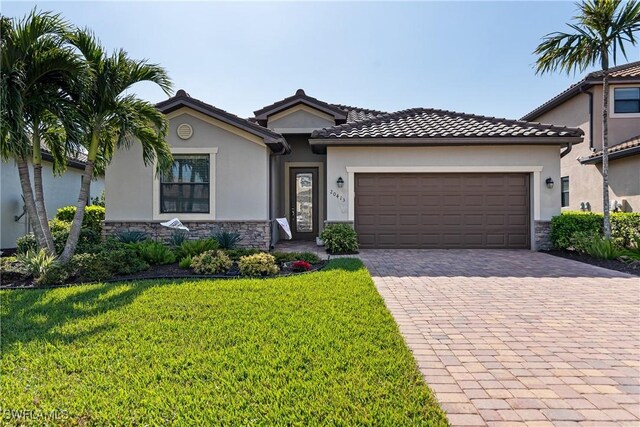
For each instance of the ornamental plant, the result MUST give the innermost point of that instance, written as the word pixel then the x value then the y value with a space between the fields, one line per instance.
pixel 211 262
pixel 300 266
pixel 340 239
pixel 261 264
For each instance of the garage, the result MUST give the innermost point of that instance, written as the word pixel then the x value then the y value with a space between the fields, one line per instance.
pixel 443 210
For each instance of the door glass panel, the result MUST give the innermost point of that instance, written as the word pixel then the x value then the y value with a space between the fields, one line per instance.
pixel 304 202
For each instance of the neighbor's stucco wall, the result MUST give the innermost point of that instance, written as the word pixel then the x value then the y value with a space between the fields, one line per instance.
pixel 241 184
pixel 585 181
pixel 59 191
pixel 339 158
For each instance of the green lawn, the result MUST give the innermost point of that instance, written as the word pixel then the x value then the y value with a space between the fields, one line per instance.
pixel 314 349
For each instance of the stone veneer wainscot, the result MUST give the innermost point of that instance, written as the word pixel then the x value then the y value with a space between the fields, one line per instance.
pixel 254 234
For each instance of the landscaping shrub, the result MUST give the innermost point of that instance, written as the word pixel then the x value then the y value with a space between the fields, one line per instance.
pixel 309 257
pixel 193 248
pixel 211 262
pixel 236 254
pixel 88 268
pixel 36 263
pixel 599 247
pixel 227 239
pixel 26 243
pixel 261 264
pixel 340 239
pixel 93 216
pixel 300 266
pixel 624 227
pixel 58 225
pixel 56 274
pixel 177 238
pixel 186 262
pixel 152 252
pixel 132 236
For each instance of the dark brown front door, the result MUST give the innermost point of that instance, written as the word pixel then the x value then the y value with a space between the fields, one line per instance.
pixel 448 210
pixel 303 203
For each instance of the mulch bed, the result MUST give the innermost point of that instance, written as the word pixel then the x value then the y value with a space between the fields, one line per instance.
pixel 155 272
pixel 611 264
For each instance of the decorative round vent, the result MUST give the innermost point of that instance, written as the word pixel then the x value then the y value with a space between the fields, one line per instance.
pixel 184 131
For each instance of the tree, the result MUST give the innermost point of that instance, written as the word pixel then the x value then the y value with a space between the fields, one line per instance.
pixel 111 118
pixel 38 71
pixel 602 28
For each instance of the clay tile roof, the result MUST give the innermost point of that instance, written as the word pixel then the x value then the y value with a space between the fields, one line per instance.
pixel 300 97
pixel 630 71
pixel 428 123
pixel 625 148
pixel 357 114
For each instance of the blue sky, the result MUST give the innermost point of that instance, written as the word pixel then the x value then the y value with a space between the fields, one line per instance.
pixel 464 56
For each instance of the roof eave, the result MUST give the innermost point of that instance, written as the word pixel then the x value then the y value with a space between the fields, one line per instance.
pixel 612 156
pixel 436 142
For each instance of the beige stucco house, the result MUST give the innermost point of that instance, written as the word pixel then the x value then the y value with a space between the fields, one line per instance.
pixel 418 178
pixel 581 106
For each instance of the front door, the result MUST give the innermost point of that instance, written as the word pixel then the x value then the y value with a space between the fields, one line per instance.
pixel 303 203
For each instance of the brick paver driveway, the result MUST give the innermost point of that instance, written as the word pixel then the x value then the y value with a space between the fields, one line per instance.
pixel 516 337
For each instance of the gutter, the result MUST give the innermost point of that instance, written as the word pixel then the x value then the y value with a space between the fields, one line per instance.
pixel 567 150
pixel 612 156
pixel 590 94
pixel 437 142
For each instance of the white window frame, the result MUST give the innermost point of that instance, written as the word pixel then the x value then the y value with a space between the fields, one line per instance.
pixel 612 103
pixel 157 215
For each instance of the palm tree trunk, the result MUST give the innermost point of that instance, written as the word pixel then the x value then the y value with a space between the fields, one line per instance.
pixel 29 201
pixel 605 153
pixel 41 208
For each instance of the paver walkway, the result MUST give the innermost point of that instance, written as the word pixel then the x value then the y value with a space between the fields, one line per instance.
pixel 517 337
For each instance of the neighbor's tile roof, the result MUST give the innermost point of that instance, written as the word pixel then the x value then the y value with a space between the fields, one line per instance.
pixel 628 147
pixel 621 72
pixel 357 114
pixel 432 123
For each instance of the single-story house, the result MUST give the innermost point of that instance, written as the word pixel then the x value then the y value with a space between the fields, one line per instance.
pixel 59 191
pixel 581 106
pixel 417 178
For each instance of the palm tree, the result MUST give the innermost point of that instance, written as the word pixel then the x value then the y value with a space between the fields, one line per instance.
pixel 602 28
pixel 38 69
pixel 112 119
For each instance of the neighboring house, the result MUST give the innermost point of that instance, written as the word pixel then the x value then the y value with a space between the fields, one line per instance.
pixel 581 106
pixel 59 191
pixel 418 178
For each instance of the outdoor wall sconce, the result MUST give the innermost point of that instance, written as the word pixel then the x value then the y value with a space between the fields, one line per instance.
pixel 340 182
pixel 549 183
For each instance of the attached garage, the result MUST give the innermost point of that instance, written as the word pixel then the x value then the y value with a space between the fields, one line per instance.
pixel 443 210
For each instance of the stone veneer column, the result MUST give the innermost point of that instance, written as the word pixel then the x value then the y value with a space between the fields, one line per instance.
pixel 542 235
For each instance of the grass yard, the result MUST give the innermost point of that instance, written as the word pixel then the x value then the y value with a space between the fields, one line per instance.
pixel 314 349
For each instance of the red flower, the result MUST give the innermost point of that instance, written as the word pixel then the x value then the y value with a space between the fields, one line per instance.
pixel 299 266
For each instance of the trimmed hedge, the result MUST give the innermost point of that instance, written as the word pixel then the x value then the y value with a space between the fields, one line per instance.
pixel 93 216
pixel 624 227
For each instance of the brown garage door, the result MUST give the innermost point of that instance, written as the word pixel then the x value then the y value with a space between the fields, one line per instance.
pixel 442 210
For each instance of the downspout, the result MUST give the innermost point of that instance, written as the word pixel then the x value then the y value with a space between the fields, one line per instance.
pixel 566 150
pixel 272 243
pixel 590 94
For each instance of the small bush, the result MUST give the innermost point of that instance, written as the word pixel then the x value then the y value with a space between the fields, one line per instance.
pixel 625 227
pixel 92 267
pixel 36 263
pixel 152 252
pixel 26 243
pixel 57 225
pixel 89 268
pixel 186 262
pixel 211 262
pixel 599 247
pixel 236 254
pixel 340 239
pixel 93 216
pixel 56 274
pixel 309 257
pixel 131 236
pixel 261 264
pixel 11 269
pixel 227 239
pixel 177 238
pixel 300 266
pixel 193 248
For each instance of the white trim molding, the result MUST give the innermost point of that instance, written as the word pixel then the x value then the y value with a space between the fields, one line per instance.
pixel 612 102
pixel 534 170
pixel 211 151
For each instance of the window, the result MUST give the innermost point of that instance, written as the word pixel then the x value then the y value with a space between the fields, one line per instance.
pixel 185 187
pixel 565 191
pixel 626 100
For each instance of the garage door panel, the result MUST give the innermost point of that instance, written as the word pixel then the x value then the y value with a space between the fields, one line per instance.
pixel 442 210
